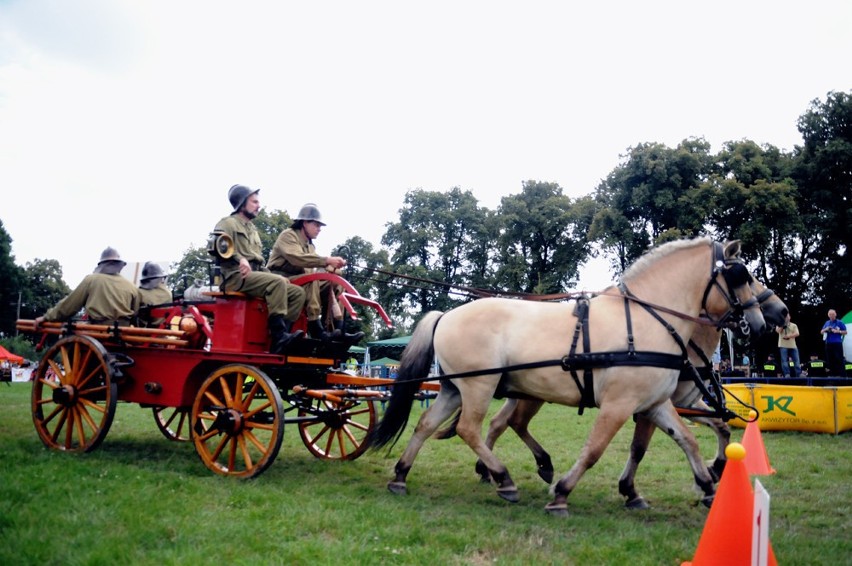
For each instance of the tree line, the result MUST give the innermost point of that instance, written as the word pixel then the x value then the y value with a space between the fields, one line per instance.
pixel 790 209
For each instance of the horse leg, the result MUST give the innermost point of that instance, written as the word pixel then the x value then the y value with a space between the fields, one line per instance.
pixel 498 425
pixel 609 421
pixel 517 414
pixel 723 438
pixel 446 403
pixel 519 421
pixel 469 429
pixel 666 418
pixel 642 434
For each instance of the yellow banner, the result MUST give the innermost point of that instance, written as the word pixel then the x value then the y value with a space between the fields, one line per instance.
pixel 791 407
pixel 844 409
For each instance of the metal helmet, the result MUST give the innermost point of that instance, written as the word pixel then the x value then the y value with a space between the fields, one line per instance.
pixel 151 270
pixel 238 194
pixel 310 211
pixel 110 254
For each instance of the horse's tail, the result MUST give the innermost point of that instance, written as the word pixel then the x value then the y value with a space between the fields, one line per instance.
pixel 414 365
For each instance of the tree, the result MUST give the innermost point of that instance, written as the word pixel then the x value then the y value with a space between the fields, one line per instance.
pixel 824 176
pixel 42 287
pixel 434 244
pixel 361 271
pixel 752 198
pixel 649 198
pixel 543 239
pixel 269 225
pixel 10 283
pixel 196 266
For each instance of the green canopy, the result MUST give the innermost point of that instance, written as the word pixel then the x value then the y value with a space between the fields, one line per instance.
pixel 384 362
pixel 398 341
pixel 356 350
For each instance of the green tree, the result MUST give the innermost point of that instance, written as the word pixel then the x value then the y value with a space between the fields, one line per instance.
pixel 650 198
pixel 10 283
pixel 196 266
pixel 542 239
pixel 42 287
pixel 435 245
pixel 751 197
pixel 824 176
pixel 269 225
pixel 366 270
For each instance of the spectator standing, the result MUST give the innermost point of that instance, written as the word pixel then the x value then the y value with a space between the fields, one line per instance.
pixel 833 332
pixel 105 295
pixel 787 335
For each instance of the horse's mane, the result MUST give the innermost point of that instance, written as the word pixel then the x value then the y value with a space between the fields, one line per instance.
pixel 654 254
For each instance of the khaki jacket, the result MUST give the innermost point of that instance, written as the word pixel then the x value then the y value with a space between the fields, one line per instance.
pixel 106 298
pixel 294 255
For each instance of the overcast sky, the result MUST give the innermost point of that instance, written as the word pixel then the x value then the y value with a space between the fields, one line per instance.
pixel 123 123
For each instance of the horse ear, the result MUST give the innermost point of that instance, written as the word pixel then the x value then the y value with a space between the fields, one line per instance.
pixel 732 248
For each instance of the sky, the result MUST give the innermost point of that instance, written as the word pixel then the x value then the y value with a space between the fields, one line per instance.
pixel 123 123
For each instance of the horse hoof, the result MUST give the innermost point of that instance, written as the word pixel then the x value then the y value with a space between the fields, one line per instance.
pixel 707 500
pixel 557 509
pixel 637 503
pixel 546 475
pixel 397 488
pixel 509 494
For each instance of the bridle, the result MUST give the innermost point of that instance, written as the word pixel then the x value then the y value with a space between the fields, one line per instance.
pixel 735 275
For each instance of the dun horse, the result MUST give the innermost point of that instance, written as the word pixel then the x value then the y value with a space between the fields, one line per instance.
pixel 688 397
pixel 624 356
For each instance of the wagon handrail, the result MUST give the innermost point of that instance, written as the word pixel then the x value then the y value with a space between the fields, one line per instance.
pixel 133 334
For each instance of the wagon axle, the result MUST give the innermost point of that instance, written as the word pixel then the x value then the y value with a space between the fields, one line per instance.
pixel 65 395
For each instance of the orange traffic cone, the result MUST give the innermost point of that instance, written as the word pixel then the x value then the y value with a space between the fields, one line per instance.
pixel 756 458
pixel 726 539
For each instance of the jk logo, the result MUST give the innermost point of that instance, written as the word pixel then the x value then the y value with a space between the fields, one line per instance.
pixel 780 403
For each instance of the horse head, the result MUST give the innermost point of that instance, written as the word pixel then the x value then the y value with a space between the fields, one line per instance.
pixel 773 308
pixel 752 309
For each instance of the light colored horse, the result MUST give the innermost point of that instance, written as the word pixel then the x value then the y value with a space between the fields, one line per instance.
pixel 687 398
pixel 630 364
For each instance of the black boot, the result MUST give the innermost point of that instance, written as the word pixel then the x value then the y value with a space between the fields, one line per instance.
pixel 341 336
pixel 279 330
pixel 317 332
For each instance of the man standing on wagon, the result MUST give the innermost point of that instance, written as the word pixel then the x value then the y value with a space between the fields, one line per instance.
pixel 244 271
pixel 294 254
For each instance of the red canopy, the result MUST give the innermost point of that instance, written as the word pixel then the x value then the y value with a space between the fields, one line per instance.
pixel 7 355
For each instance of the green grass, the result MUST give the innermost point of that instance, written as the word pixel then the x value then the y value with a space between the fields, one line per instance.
pixel 141 499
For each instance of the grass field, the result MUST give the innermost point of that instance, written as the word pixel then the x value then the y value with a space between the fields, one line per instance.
pixel 141 499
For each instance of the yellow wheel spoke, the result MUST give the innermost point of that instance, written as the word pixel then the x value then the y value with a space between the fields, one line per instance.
pixel 241 441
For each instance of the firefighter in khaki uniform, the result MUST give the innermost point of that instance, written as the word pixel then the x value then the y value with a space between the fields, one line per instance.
pixel 244 271
pixel 153 292
pixel 294 254
pixel 106 296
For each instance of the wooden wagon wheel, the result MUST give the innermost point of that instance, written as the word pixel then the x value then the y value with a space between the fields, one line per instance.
pixel 173 422
pixel 237 423
pixel 340 430
pixel 74 395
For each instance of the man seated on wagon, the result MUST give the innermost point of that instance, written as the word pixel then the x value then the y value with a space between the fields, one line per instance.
pixel 293 255
pixel 153 292
pixel 106 296
pixel 244 272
